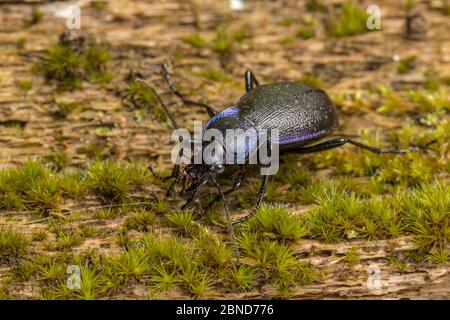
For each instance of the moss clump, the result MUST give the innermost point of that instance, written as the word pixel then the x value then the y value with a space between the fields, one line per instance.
pixel 352 256
pixel 13 246
pixel 35 18
pixel 406 65
pixel 30 186
pixel 214 75
pixel 140 220
pixel 287 22
pixel 428 216
pixel 114 181
pixel 62 64
pixel 351 21
pixel 39 235
pixel 58 159
pixel 279 221
pixel 25 85
pixel 195 41
pixel 20 42
pixel 277 261
pixel 181 221
pixel 94 150
pixel 223 43
pixel 307 29
pixel 68 65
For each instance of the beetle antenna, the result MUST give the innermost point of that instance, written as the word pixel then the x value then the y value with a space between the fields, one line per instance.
pixel 230 224
pixel 174 89
pixel 168 113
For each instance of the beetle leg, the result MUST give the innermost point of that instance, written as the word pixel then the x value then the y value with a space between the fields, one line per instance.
pixel 250 79
pixel 334 143
pixel 237 184
pixel 230 224
pixel 175 174
pixel 190 200
pixel 174 89
pixel 262 192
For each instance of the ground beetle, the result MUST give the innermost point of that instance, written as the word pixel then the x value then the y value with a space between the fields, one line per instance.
pixel 303 115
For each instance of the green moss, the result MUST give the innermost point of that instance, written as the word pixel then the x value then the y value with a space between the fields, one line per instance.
pixel 139 96
pixel 164 280
pixel 67 239
pixel 160 205
pixel 127 266
pixel 222 44
pixel 39 235
pixel 214 75
pixel 315 5
pixel 276 261
pixel 240 35
pixel 350 21
pixel 31 185
pixel 62 64
pixel 94 150
pixel 287 22
pixel 25 85
pixel 181 221
pixel 313 81
pixel 102 78
pixel 58 159
pixel 352 256
pixel 428 215
pixel 140 220
pixel 13 246
pixel 36 17
pixel 96 59
pixel 406 65
pixel 20 42
pixel 279 221
pixel 307 29
pixel 242 278
pixel 287 40
pixel 432 82
pixel 195 41
pixel 114 181
pixel 68 67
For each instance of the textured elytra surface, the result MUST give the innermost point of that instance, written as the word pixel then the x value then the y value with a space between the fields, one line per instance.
pixel 301 113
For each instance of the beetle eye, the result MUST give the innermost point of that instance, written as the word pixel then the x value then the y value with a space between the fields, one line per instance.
pixel 220 168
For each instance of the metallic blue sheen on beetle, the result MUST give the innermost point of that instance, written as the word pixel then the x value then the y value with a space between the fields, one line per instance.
pixel 302 114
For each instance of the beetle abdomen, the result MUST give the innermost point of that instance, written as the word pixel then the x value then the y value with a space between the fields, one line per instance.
pixel 301 113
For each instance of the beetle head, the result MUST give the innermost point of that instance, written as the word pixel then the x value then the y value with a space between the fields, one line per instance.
pixel 197 175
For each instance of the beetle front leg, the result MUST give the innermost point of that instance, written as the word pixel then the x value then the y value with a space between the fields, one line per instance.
pixel 237 184
pixel 262 193
pixel 208 108
pixel 250 79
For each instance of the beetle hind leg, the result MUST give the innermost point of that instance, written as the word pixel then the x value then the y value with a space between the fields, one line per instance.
pixel 337 142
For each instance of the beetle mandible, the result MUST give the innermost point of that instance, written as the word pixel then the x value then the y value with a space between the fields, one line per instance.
pixel 302 114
